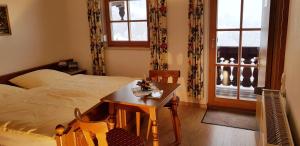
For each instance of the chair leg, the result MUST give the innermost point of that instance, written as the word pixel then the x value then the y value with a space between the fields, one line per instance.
pixel 148 129
pixel 124 119
pixel 176 121
pixel 173 123
pixel 119 118
pixel 138 123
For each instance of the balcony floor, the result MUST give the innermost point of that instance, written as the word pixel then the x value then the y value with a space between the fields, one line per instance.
pixel 230 92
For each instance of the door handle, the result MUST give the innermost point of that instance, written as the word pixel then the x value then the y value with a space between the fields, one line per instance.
pixel 213 42
pixel 258 62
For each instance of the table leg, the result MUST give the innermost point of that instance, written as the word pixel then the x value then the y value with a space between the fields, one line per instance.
pixel 153 117
pixel 112 116
pixel 176 121
pixel 138 123
pixel 124 119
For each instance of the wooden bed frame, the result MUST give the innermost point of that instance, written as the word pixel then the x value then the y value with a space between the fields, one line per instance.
pixel 4 79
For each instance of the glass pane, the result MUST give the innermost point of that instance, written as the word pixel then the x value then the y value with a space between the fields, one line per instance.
pixel 229 12
pixel 226 86
pixel 250 45
pixel 137 10
pixel 138 31
pixel 119 31
pixel 118 10
pixel 227 46
pixel 248 81
pixel 252 13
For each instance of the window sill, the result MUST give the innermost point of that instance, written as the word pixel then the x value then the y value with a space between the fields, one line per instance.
pixel 128 48
pixel 128 44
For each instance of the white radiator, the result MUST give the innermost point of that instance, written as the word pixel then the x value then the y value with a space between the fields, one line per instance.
pixel 274 129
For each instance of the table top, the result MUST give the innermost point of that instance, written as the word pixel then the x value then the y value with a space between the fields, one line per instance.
pixel 125 95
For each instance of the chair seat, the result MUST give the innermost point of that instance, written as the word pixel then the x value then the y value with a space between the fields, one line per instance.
pixel 169 104
pixel 121 137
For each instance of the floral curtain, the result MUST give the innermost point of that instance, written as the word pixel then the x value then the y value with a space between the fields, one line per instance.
pixel 158 34
pixel 195 49
pixel 96 35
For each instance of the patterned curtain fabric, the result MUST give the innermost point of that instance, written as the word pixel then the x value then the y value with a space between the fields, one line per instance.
pixel 195 49
pixel 158 34
pixel 96 35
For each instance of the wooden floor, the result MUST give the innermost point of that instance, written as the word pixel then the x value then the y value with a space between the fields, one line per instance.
pixel 195 133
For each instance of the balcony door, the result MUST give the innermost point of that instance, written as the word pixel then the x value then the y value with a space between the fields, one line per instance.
pixel 235 40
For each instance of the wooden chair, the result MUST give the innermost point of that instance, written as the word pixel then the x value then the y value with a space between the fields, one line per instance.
pixel 81 132
pixel 162 76
pixel 96 134
pixel 98 128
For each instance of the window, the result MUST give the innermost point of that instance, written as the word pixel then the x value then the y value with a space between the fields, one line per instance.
pixel 127 23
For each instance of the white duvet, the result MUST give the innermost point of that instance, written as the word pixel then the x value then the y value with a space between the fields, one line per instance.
pixel 39 110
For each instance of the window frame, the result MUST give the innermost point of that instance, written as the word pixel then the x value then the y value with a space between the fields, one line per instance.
pixel 213 99
pixel 129 43
pixel 241 30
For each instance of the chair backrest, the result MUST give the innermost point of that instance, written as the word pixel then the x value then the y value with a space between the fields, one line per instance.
pixel 163 75
pixel 65 139
pixel 97 128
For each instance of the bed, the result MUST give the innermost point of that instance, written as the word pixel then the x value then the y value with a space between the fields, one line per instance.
pixel 29 117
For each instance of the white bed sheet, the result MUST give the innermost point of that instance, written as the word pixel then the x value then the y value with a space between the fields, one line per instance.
pixel 99 86
pixel 40 109
pixel 10 137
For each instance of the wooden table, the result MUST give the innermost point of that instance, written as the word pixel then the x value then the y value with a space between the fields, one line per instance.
pixel 125 99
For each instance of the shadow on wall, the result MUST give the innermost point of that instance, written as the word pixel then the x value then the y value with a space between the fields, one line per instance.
pixel 292 123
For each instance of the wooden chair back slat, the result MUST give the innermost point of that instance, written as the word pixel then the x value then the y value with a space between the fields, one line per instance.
pixel 164 79
pixel 80 138
pixel 98 128
pixel 164 75
pixel 68 139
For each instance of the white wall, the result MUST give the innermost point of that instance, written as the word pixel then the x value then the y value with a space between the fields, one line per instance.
pixel 178 31
pixel 178 42
pixel 78 32
pixel 38 35
pixel 292 68
pixel 134 61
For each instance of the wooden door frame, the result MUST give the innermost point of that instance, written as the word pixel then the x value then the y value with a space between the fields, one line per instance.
pixel 278 25
pixel 275 58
